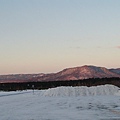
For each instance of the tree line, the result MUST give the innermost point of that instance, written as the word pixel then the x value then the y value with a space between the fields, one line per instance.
pixel 51 84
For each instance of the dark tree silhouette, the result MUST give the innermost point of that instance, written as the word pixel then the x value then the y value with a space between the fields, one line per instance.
pixel 50 84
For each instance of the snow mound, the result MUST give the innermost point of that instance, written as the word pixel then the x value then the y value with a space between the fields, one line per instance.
pixel 82 91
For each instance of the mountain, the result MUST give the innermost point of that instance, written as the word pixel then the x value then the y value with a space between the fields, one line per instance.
pixel 86 72
pixel 18 77
pixel 83 72
pixel 117 71
pixel 76 73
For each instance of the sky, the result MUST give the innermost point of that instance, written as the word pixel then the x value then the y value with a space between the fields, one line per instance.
pixel 44 36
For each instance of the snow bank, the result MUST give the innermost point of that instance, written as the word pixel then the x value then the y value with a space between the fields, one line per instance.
pixel 82 91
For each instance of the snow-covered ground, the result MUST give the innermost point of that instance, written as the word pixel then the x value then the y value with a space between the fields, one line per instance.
pixel 62 103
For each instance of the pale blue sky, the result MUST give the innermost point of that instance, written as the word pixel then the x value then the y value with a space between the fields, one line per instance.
pixel 49 35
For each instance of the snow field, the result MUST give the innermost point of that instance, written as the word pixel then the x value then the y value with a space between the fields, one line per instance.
pixel 94 103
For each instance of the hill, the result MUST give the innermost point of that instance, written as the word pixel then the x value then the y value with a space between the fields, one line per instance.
pixel 76 73
pixel 83 72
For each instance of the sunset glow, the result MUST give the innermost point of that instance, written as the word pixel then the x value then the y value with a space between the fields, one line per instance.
pixel 44 36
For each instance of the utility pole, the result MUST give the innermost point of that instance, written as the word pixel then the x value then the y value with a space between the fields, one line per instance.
pixel 33 88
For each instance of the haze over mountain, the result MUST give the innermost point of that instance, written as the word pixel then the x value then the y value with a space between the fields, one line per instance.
pixel 76 73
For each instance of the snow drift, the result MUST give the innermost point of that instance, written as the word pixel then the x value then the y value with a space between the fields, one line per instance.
pixel 82 91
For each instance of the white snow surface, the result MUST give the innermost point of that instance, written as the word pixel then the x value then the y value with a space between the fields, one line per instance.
pixel 82 91
pixel 62 103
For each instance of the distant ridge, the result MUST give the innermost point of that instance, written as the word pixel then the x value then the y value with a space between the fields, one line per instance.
pixel 75 73
pixel 83 72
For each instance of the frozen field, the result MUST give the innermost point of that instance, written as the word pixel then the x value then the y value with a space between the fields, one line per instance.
pixel 62 103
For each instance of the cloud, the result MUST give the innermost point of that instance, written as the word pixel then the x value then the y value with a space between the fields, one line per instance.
pixel 86 47
pixel 78 47
pixel 118 47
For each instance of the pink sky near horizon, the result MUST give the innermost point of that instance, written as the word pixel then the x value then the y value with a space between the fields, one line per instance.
pixel 48 36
